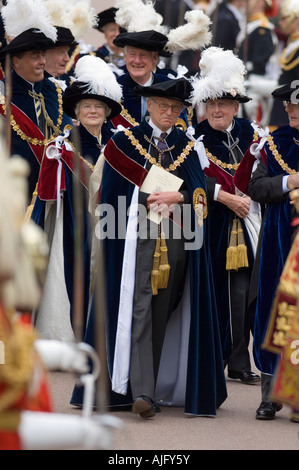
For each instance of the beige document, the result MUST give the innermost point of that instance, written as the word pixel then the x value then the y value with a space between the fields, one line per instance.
pixel 156 181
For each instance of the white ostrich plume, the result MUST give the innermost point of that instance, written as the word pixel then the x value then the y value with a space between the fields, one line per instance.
pixel 77 16
pixel 97 73
pixel 220 72
pixel 136 16
pixel 20 15
pixel 195 34
pixel 82 17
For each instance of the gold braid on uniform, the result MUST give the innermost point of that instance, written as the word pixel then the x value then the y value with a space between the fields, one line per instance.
pixel 17 371
pixel 286 61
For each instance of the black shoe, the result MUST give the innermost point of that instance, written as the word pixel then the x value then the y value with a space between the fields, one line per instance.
pixel 246 377
pixel 157 407
pixel 144 406
pixel 267 410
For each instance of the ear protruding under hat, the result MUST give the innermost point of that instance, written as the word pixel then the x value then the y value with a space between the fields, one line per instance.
pixel 221 76
pixel 22 15
pixel 195 34
pixel 93 79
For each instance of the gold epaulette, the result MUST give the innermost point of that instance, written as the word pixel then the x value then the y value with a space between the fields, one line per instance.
pixel 289 62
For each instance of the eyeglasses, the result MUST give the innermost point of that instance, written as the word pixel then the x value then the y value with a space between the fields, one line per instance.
pixel 289 103
pixel 175 108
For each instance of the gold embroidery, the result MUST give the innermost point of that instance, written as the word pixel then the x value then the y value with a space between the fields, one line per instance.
pixel 277 156
pixel 125 113
pixel 151 159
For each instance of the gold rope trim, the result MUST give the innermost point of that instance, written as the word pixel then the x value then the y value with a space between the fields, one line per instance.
pixel 35 141
pixel 180 159
pixel 277 156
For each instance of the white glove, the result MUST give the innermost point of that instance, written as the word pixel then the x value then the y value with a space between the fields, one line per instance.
pixel 59 431
pixel 57 355
pixel 260 85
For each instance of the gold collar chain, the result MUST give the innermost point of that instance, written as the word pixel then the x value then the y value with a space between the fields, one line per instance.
pixel 278 157
pixel 152 160
pixel 35 141
pixel 229 166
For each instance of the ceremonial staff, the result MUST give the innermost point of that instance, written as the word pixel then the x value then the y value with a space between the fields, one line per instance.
pixel 8 94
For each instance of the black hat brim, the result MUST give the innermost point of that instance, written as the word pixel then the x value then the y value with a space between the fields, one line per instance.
pixel 29 40
pixel 75 93
pixel 178 89
pixel 287 92
pixel 148 40
pixel 105 17
pixel 64 37
pixel 237 97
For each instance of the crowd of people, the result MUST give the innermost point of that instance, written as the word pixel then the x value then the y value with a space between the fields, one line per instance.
pixel 166 188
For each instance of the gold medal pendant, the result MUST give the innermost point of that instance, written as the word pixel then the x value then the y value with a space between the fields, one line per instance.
pixel 200 205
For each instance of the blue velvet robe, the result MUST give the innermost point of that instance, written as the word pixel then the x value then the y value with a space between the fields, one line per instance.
pixel 205 387
pixel 219 219
pixel 22 99
pixel 276 243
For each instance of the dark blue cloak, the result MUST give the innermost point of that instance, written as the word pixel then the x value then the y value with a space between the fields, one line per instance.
pixel 276 244
pixel 205 387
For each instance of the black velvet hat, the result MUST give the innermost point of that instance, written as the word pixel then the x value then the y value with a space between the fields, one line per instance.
pixel 64 37
pixel 149 40
pixel 30 40
pixel 105 17
pixel 177 89
pixel 78 91
pixel 288 92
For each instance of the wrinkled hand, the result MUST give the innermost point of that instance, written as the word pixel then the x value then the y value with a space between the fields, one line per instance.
pixel 163 202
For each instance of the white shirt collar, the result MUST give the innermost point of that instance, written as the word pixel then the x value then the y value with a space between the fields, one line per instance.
pixel 156 130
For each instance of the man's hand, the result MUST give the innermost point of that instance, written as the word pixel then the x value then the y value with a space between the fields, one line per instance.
pixel 163 202
pixel 238 204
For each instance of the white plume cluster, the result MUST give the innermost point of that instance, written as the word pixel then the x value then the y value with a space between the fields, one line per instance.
pixel 289 8
pixel 195 34
pixel 220 72
pixel 97 73
pixel 77 16
pixel 136 16
pixel 20 15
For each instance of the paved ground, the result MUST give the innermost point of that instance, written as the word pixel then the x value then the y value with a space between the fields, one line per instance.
pixel 234 428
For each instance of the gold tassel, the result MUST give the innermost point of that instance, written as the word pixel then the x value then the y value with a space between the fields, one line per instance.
pixel 164 267
pixel 31 206
pixel 231 252
pixel 155 274
pixel 242 248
